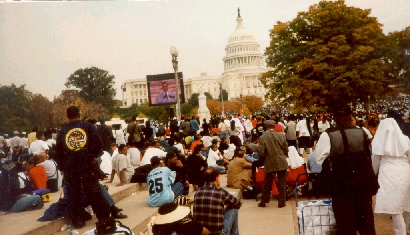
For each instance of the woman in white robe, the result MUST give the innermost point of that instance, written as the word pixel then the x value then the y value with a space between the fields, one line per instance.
pixel 391 161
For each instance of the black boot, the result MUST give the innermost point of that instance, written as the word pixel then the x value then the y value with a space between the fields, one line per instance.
pixel 116 213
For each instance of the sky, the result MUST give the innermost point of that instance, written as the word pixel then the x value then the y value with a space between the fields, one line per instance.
pixel 43 43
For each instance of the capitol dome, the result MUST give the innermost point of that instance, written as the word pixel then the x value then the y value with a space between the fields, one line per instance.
pixel 242 51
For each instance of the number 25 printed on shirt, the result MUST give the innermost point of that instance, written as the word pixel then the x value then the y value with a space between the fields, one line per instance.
pixel 155 186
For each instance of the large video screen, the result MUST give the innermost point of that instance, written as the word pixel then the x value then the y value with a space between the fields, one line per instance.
pixel 162 89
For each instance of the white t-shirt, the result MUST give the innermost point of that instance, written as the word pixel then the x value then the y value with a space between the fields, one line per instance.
pixel 302 128
pixel 119 163
pixel 24 142
pixel 38 147
pixel 323 126
pixel 50 168
pixel 119 137
pixel 149 153
pixel 134 156
pixel 49 142
pixel 213 157
pixel 106 163
pixel 180 147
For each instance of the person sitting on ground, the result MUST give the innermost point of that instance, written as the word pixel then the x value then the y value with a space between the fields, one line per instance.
pixel 15 195
pixel 159 182
pixel 152 151
pixel 39 145
pixel 239 171
pixel 180 147
pixel 223 145
pixel 214 207
pixel 196 164
pixel 173 163
pixel 134 155
pixel 197 140
pixel 216 160
pixel 54 178
pixel 122 166
pixel 171 147
pixel 36 174
pixel 176 219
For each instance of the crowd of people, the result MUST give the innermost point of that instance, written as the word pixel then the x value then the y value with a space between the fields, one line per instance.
pixel 172 156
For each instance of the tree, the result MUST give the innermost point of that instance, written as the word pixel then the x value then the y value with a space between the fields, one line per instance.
pixel 396 56
pixel 41 111
pixel 252 102
pixel 15 108
pixel 325 56
pixel 214 106
pixel 88 110
pixel 224 94
pixel 193 101
pixel 95 85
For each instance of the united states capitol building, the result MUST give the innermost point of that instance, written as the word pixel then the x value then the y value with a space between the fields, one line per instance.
pixel 243 64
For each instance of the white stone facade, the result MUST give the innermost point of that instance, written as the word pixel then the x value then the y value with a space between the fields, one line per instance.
pixel 243 65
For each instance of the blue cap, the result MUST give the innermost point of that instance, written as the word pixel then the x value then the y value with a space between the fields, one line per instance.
pixel 102 120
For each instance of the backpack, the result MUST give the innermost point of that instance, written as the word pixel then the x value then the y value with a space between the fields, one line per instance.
pixel 9 185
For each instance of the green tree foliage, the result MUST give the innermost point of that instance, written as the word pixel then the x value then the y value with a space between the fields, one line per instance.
pixel 396 56
pixel 193 101
pixel 126 112
pixel 95 85
pixel 15 108
pixel 224 95
pixel 326 55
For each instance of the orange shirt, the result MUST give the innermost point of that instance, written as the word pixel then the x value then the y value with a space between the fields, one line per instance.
pixel 278 128
pixel 215 130
pixel 38 177
pixel 254 123
pixel 194 144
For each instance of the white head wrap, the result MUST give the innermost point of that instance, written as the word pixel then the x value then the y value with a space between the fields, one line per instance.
pixel 389 139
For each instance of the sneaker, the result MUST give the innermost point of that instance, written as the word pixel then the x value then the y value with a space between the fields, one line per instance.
pixel 280 205
pixel 261 204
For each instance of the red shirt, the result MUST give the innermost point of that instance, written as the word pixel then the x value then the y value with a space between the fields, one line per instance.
pixel 194 144
pixel 215 130
pixel 38 177
pixel 278 128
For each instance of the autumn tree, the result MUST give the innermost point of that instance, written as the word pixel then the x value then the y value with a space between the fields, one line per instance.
pixel 326 55
pixel 41 111
pixel 214 106
pixel 252 102
pixel 88 110
pixel 95 85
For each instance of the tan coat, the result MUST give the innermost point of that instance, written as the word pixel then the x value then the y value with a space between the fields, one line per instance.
pixel 273 146
pixel 239 173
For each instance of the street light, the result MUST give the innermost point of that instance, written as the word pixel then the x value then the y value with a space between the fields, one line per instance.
pixel 174 53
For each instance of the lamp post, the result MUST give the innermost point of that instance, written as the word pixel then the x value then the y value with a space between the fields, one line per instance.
pixel 222 98
pixel 174 53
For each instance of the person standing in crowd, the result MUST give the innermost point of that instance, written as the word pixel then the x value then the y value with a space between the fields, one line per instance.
pixel 391 161
pixel 323 125
pixel 106 135
pixel 303 133
pixel 15 146
pixel 134 133
pixel 354 182
pixel 77 149
pixel 193 126
pixel 32 136
pixel 148 132
pixel 291 131
pixel 223 128
pixel 274 149
pixel 173 126
pixel 118 134
pixel 214 207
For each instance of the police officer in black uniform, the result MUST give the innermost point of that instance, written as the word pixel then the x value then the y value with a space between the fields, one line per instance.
pixel 77 148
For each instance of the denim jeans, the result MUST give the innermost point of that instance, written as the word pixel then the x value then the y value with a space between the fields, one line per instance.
pixel 221 169
pixel 27 203
pixel 267 186
pixel 231 225
pixel 178 189
pixel 222 134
